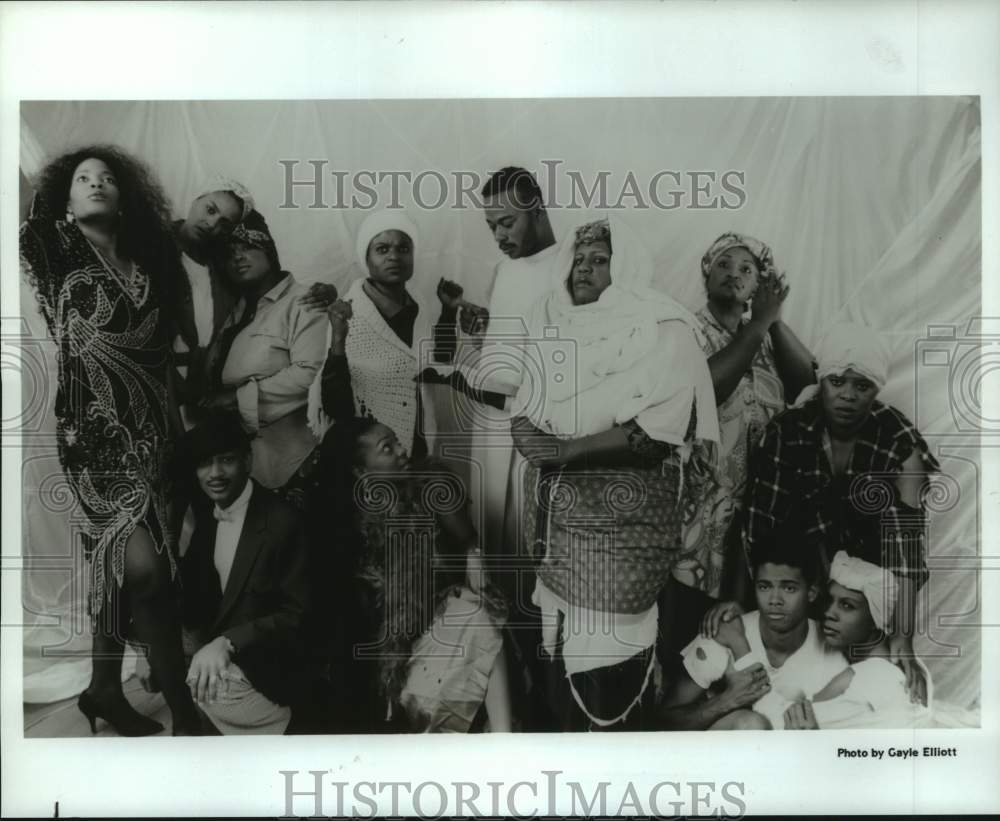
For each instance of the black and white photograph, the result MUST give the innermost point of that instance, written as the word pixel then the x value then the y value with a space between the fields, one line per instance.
pixel 539 420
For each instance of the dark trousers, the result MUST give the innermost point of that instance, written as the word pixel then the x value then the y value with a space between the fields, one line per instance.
pixel 606 692
pixel 681 611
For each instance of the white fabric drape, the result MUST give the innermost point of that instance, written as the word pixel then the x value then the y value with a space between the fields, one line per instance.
pixel 872 206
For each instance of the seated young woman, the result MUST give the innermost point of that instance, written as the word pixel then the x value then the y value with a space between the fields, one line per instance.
pixel 872 692
pixel 423 648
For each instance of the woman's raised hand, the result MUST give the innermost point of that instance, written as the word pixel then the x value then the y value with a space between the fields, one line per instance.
pixel 473 318
pixel 319 297
pixel 340 313
pixel 772 290
pixel 450 294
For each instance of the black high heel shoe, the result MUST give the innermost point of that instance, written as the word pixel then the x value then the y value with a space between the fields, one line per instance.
pixel 121 715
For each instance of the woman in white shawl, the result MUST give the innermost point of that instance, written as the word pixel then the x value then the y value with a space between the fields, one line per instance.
pixel 615 396
pixel 389 342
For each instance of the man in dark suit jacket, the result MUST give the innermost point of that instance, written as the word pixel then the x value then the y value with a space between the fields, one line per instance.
pixel 245 581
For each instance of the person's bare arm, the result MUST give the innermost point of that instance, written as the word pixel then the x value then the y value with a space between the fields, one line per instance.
pixel 910 485
pixel 686 706
pixel 730 364
pixel 732 636
pixel 793 360
pixel 837 686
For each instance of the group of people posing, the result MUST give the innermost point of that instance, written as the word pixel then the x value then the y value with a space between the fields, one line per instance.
pixel 668 520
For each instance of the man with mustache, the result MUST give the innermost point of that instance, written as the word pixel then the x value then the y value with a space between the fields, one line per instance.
pixel 756 667
pixel 246 589
pixel 516 216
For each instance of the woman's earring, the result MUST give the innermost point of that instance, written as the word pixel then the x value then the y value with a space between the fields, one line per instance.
pixel 70 217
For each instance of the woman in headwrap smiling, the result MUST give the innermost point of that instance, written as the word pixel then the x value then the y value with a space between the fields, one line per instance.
pixel 854 468
pixel 614 399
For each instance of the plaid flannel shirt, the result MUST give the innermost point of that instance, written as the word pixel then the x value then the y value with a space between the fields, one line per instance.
pixel 859 512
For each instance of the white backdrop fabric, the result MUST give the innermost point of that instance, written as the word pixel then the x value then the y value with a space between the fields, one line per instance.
pixel 872 206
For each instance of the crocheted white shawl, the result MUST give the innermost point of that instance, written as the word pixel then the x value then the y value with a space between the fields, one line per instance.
pixel 383 369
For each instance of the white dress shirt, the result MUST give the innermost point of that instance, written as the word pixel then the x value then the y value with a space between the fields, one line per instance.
pixel 227 533
pixel 201 298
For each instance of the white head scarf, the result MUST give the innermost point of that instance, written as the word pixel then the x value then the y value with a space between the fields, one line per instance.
pixel 373 225
pixel 379 221
pixel 620 327
pixel 878 585
pixel 850 346
pixel 618 330
pixel 219 182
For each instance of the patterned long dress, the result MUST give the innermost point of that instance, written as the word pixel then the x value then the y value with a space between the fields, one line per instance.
pixel 742 419
pixel 111 402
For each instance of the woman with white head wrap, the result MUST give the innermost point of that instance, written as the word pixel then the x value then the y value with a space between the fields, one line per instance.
pixel 756 362
pixel 872 692
pixel 388 342
pixel 615 400
pixel 853 468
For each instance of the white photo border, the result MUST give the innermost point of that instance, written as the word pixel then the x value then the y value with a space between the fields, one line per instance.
pixel 186 51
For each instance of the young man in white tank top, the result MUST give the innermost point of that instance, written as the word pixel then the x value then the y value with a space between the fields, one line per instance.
pixel 764 661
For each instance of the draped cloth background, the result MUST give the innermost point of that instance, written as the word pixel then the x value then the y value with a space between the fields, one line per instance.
pixel 872 205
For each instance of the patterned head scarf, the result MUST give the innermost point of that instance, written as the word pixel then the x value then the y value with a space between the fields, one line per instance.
pixel 761 253
pixel 597 231
pixel 219 182
pixel 253 231
pixel 877 584
pixel 615 334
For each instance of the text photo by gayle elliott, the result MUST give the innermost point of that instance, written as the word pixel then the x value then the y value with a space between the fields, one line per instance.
pixel 389 417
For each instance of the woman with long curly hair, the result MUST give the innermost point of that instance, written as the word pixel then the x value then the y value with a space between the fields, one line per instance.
pixel 97 250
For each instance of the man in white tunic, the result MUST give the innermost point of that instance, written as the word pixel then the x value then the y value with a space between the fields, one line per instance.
pixel 516 216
